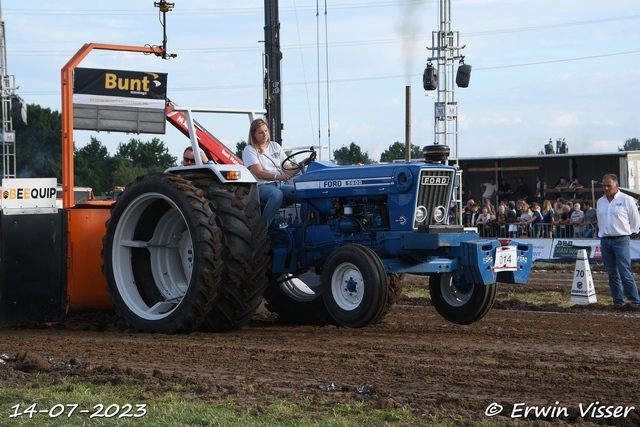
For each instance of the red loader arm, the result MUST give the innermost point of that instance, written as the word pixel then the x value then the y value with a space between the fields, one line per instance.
pixel 212 147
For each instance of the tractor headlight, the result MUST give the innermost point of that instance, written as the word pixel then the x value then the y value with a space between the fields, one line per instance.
pixel 421 213
pixel 439 214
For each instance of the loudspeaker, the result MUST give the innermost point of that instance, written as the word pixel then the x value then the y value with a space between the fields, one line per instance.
pixel 464 74
pixel 430 78
pixel 18 109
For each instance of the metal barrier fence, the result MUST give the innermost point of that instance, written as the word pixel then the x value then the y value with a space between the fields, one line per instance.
pixel 547 231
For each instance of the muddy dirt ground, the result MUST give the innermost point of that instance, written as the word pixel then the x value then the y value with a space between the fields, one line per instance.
pixel 519 356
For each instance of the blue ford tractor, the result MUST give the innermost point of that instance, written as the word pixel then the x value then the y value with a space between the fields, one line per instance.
pixel 342 252
pixel 188 249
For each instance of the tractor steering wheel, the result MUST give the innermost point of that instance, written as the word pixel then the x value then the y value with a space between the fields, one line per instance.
pixel 299 166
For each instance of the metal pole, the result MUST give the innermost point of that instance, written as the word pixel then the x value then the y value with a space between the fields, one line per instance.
pixel 407 132
pixel 7 91
pixel 272 83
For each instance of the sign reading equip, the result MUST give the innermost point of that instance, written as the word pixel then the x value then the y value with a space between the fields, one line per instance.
pixel 29 195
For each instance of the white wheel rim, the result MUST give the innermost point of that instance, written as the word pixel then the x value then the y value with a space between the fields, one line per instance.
pixel 300 288
pixel 451 294
pixel 347 286
pixel 171 258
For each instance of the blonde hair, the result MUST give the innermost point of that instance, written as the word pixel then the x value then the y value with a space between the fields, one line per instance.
pixel 257 123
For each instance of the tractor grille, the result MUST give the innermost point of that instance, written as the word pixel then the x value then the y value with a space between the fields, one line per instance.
pixel 434 189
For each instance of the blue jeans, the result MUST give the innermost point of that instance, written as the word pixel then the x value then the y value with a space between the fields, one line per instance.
pixel 537 228
pixel 561 231
pixel 616 256
pixel 274 198
pixel 578 232
pixel 589 231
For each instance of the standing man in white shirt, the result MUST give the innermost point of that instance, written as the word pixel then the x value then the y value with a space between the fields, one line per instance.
pixel 490 189
pixel 619 220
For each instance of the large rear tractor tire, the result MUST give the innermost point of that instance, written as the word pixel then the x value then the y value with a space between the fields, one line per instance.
pixel 298 299
pixel 354 286
pixel 458 306
pixel 162 255
pixel 245 254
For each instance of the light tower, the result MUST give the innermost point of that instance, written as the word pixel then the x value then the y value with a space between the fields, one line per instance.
pixel 7 95
pixel 445 50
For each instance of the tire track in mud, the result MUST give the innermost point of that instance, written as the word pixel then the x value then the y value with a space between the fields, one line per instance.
pixel 413 357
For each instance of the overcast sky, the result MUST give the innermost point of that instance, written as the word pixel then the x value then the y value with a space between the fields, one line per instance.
pixel 541 68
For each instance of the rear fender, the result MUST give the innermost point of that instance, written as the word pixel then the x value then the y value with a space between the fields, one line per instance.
pixel 242 174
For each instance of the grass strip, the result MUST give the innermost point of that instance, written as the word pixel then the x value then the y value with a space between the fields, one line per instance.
pixel 131 406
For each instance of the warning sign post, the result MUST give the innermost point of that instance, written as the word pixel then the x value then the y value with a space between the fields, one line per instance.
pixel 583 291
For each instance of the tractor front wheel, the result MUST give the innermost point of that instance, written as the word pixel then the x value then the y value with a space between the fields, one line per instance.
pixel 354 286
pixel 457 305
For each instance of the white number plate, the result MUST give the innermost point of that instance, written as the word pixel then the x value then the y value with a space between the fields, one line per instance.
pixel 506 259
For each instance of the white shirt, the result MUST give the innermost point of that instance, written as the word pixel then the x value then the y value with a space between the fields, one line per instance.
pixel 473 218
pixel 489 190
pixel 577 216
pixel 618 218
pixel 483 217
pixel 538 185
pixel 271 159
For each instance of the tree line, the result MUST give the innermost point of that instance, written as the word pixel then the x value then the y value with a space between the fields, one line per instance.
pixel 631 144
pixel 39 154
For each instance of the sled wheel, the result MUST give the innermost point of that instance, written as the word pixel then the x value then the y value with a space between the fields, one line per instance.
pixel 460 307
pixel 245 254
pixel 298 299
pixel 354 286
pixel 162 256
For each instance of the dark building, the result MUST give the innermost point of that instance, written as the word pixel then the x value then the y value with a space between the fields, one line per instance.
pixel 586 167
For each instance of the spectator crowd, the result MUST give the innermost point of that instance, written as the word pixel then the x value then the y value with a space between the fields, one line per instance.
pixel 570 216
